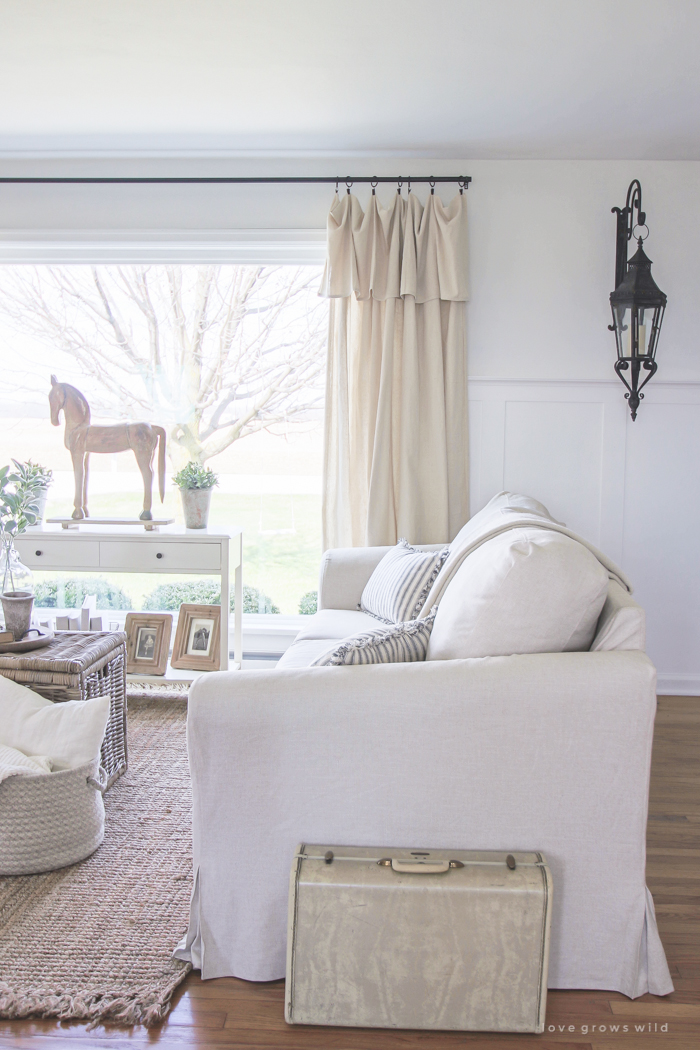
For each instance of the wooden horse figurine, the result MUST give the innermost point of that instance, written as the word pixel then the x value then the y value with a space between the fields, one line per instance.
pixel 82 438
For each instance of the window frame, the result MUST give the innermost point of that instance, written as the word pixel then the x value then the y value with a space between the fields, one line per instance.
pixel 272 633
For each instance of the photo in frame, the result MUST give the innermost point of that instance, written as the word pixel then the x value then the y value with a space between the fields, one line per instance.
pixel 197 646
pixel 148 642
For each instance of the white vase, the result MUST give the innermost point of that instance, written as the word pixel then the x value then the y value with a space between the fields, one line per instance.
pixel 41 505
pixel 195 504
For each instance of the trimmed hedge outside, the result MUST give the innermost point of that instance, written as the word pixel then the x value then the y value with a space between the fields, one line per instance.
pixel 170 596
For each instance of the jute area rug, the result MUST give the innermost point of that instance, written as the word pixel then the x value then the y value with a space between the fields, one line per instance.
pixel 94 941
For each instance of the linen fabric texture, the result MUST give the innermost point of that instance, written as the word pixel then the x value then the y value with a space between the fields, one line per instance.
pixel 503 753
pixel 523 591
pixel 396 430
pixel 397 589
pixel 399 643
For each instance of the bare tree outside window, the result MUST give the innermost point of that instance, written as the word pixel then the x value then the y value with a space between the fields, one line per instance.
pixel 214 353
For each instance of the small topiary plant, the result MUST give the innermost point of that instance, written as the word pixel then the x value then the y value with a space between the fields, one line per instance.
pixel 195 476
pixel 168 597
pixel 70 593
pixel 308 603
pixel 37 474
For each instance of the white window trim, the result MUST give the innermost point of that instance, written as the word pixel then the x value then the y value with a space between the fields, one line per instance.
pixel 293 247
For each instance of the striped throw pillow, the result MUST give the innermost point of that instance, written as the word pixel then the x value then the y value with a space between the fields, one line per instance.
pixel 398 644
pixel 397 589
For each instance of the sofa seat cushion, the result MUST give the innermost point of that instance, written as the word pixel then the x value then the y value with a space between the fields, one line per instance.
pixel 303 654
pixel 336 624
pixel 528 590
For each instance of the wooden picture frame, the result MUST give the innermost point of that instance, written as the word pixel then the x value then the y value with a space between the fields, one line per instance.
pixel 196 646
pixel 147 642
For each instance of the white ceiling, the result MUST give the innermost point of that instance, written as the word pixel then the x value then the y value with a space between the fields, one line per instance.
pixel 445 78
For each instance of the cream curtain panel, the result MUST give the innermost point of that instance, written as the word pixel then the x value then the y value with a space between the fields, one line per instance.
pixel 396 439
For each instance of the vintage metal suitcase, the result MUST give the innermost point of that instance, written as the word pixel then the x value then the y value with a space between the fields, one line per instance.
pixel 396 938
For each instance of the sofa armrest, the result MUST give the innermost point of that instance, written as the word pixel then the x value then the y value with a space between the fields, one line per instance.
pixel 346 570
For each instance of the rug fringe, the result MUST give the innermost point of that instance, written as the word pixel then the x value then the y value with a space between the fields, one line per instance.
pixel 95 1008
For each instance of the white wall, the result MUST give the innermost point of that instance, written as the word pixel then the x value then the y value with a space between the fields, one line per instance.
pixel 548 414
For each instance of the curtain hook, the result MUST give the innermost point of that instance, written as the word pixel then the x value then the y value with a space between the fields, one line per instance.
pixel 432 184
pixel 336 186
pixel 348 183
pixel 461 187
pixel 374 184
pixel 399 186
pixel 409 183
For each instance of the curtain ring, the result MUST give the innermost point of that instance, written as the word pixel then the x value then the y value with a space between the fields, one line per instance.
pixel 409 183
pixel 399 186
pixel 432 184
pixel 348 183
pixel 462 184
pixel 374 184
pixel 336 186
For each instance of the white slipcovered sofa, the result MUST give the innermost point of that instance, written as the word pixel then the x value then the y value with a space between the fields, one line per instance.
pixel 541 751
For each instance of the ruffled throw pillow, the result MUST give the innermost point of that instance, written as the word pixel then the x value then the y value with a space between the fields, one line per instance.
pixel 397 644
pixel 397 589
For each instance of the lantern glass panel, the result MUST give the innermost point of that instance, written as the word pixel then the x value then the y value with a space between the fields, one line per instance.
pixel 622 319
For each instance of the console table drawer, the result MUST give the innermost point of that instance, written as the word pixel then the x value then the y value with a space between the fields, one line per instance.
pixel 43 553
pixel 151 556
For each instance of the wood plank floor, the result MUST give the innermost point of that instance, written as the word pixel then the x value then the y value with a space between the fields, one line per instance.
pixel 231 1013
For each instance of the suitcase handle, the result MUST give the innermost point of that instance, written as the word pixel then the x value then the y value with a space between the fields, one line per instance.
pixel 416 867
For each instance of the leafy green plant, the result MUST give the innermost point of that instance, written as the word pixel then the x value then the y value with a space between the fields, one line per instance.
pixel 36 473
pixel 308 603
pixel 70 593
pixel 19 500
pixel 168 597
pixel 195 476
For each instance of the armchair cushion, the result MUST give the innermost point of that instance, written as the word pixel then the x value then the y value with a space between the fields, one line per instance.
pixel 527 590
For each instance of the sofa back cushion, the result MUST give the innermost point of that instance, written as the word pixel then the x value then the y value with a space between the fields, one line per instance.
pixel 621 624
pixel 528 590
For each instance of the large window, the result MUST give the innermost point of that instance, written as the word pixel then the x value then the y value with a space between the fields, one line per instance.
pixel 229 359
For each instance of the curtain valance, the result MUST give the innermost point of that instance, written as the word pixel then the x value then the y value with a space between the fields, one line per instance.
pixel 405 249
pixel 396 436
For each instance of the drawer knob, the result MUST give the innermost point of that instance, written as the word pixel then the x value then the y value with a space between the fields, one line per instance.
pixel 159 555
pixel 38 553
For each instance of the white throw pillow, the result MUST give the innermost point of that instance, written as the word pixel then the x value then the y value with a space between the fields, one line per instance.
pixel 524 591
pixel 69 733
pixel 397 589
pixel 398 644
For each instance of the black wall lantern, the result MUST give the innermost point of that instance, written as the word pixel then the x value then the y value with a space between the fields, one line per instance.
pixel 637 303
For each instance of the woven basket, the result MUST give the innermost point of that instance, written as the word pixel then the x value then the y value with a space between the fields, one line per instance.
pixel 49 820
pixel 78 666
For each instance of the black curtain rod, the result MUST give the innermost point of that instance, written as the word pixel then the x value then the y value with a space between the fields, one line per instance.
pixel 345 181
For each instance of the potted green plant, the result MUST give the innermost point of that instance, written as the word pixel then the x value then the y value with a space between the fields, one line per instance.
pixel 19 504
pixel 43 477
pixel 195 483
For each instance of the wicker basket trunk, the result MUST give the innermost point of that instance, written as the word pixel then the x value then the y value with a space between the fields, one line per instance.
pixel 49 820
pixel 77 666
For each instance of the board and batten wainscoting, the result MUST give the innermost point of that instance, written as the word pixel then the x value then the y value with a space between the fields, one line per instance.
pixel 633 489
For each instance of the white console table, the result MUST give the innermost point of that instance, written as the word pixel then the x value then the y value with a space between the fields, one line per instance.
pixel 127 549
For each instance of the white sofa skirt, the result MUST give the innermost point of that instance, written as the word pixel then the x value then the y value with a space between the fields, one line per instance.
pixel 541 752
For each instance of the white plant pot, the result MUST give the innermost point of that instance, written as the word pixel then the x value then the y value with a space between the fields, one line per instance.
pixel 195 504
pixel 41 504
